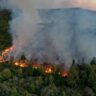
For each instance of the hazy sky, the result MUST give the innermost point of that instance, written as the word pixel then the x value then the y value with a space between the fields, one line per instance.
pixel 90 4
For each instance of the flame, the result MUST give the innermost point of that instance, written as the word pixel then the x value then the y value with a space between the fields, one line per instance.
pixel 21 64
pixel 5 53
pixel 64 73
pixel 16 63
pixel 48 69
pixel 1 59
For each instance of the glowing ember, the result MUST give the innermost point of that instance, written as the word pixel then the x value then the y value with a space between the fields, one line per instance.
pixel 35 65
pixel 64 73
pixel 16 63
pixel 48 69
pixel 1 59
pixel 21 64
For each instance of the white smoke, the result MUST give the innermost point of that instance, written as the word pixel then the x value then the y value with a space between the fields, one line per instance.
pixel 46 37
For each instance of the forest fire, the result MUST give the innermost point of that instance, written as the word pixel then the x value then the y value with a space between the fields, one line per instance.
pixel 6 51
pixel 3 55
pixel 46 67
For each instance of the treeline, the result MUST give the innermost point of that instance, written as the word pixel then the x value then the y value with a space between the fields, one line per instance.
pixel 16 81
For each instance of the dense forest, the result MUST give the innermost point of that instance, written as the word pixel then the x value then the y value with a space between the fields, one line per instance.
pixel 16 81
pixel 5 38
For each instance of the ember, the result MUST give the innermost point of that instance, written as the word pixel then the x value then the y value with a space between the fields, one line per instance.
pixel 64 73
pixel 16 63
pixel 35 65
pixel 1 59
pixel 48 68
pixel 21 63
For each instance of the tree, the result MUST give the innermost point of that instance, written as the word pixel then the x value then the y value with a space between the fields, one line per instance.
pixel 73 79
pixel 93 61
pixel 26 93
pixel 14 92
pixel 4 89
pixel 92 80
pixel 6 74
pixel 50 90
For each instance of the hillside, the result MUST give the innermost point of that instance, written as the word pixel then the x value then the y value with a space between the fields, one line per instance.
pixel 72 28
pixel 16 81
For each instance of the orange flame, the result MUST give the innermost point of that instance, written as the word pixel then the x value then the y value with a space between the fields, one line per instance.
pixel 1 59
pixel 48 69
pixel 64 73
pixel 6 51
pixel 16 63
pixel 21 64
pixel 4 54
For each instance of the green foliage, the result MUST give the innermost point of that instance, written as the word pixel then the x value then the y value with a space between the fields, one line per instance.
pixel 93 61
pixel 79 83
pixel 5 37
pixel 26 93
pixel 50 90
pixel 92 77
pixel 14 92
pixel 6 74
pixel 73 79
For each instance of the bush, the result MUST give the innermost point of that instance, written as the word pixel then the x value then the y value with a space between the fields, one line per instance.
pixel 6 74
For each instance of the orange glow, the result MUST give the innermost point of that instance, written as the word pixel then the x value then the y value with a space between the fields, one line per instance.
pixel 64 73
pixel 4 54
pixel 35 65
pixel 6 51
pixel 16 63
pixel 1 59
pixel 21 64
pixel 48 69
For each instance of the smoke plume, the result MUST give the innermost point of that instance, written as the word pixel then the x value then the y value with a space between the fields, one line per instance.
pixel 50 32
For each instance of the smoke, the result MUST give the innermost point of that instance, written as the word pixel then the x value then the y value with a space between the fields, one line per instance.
pixel 42 31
